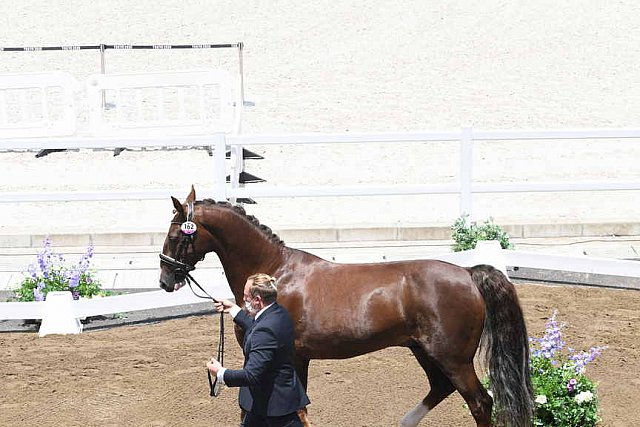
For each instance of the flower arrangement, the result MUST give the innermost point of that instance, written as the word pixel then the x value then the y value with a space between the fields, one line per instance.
pixel 466 234
pixel 50 274
pixel 564 396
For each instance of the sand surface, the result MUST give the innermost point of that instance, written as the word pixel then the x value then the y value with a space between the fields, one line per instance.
pixel 352 67
pixel 153 375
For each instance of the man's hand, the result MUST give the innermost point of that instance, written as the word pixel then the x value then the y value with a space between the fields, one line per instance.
pixel 214 366
pixel 223 305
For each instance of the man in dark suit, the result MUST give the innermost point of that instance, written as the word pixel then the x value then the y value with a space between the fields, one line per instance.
pixel 270 391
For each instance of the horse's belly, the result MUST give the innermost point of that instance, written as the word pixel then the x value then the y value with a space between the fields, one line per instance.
pixel 344 342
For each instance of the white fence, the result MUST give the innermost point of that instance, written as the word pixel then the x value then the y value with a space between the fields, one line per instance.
pixel 57 315
pixel 465 187
pixel 203 108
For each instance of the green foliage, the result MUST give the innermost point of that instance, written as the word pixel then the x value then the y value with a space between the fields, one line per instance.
pixel 49 273
pixel 466 234
pixel 564 396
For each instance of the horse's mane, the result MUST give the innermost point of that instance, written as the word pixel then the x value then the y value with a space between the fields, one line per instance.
pixel 249 218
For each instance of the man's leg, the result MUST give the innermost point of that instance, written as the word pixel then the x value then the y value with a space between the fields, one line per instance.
pixel 251 420
pixel 291 420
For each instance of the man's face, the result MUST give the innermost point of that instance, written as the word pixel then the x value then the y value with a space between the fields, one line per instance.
pixel 251 304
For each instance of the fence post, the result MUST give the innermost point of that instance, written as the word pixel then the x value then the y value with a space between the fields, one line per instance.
pixel 237 166
pixel 59 316
pixel 219 171
pixel 466 171
pixel 490 252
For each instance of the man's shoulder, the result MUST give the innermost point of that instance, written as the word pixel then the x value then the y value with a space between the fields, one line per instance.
pixel 276 314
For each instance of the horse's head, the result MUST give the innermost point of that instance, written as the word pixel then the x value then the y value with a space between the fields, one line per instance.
pixel 184 246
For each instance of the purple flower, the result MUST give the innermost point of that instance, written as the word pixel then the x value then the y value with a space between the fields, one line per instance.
pixel 551 342
pixel 37 294
pixel 582 359
pixel 571 385
pixel 49 272
pixel 33 271
pixel 73 277
pixel 44 258
pixel 83 265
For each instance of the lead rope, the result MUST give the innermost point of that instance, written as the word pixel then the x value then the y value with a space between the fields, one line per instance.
pixel 214 385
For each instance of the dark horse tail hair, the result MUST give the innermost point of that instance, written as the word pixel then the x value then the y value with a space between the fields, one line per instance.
pixel 505 347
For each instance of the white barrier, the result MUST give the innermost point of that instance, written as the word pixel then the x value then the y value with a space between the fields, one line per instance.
pixel 486 253
pixel 465 187
pixel 37 105
pixel 40 109
pixel 162 103
pixel 59 316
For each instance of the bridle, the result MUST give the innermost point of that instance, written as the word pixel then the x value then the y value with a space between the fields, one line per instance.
pixel 181 271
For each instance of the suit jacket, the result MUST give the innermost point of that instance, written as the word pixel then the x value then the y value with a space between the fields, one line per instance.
pixel 269 384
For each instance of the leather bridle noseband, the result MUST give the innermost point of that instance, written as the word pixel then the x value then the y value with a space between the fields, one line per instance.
pixel 182 272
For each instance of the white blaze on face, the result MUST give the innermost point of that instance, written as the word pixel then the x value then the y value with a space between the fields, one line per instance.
pixel 413 417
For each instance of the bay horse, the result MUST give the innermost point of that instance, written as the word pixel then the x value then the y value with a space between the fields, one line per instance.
pixel 442 312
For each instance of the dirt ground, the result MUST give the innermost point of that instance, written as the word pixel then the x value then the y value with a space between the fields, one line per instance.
pixel 154 375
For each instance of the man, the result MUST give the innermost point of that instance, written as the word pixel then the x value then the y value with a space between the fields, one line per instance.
pixel 270 390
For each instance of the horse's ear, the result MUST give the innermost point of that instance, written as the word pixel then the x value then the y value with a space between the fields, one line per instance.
pixel 192 195
pixel 178 206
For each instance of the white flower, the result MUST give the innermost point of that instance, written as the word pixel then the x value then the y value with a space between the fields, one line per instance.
pixel 541 399
pixel 584 396
pixel 490 393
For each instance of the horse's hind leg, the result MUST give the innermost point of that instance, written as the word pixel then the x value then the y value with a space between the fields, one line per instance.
pixel 441 387
pixel 302 369
pixel 466 381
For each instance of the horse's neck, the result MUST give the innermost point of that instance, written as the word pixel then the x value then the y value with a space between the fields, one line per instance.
pixel 245 250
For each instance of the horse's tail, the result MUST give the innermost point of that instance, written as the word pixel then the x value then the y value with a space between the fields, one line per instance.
pixel 505 347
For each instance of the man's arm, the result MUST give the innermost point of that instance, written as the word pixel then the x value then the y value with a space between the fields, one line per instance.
pixel 264 345
pixel 243 319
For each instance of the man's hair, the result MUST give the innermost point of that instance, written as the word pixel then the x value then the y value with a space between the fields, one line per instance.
pixel 263 285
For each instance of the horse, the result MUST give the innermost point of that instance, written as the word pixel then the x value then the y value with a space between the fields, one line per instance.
pixel 441 312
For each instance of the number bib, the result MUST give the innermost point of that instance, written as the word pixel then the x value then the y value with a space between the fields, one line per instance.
pixel 188 227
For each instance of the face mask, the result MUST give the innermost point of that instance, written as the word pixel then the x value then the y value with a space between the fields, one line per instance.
pixel 247 306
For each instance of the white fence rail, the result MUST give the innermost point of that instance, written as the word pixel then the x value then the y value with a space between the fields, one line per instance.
pixel 465 187
pixel 485 253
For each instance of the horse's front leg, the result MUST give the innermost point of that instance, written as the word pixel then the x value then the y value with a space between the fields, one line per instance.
pixel 302 414
pixel 302 369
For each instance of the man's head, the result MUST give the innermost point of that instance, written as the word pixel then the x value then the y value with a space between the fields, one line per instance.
pixel 259 291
